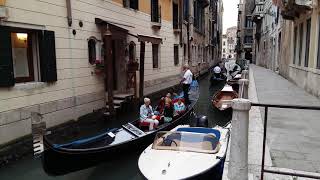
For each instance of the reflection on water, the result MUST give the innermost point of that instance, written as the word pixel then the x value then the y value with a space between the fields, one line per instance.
pixel 125 167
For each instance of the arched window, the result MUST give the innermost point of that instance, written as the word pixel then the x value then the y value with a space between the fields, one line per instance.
pixel 92 50
pixel 132 51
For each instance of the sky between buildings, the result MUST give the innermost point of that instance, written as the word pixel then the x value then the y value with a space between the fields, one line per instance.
pixel 230 15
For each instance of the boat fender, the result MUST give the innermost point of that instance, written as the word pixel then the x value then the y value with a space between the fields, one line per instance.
pixel 219 157
pixel 202 121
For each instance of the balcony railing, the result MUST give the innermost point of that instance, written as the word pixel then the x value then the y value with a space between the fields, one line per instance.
pixel 291 9
pixel 259 2
pixel 258 12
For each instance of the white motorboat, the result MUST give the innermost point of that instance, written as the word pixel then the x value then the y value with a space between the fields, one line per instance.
pixel 186 153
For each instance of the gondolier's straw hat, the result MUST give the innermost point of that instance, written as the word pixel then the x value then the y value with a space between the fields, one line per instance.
pixel 217 70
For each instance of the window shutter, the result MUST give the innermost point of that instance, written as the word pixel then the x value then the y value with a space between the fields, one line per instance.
pixel 48 67
pixel 125 3
pixel 6 64
pixel 134 4
pixel 155 10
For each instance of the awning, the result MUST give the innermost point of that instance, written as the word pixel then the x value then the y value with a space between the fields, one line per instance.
pixel 112 25
pixel 153 40
pixel 117 30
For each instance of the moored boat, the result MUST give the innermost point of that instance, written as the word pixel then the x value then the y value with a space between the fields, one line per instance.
pixel 234 82
pixel 220 99
pixel 60 159
pixel 186 153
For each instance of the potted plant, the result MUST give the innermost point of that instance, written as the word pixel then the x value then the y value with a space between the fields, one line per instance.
pixel 99 67
pixel 133 66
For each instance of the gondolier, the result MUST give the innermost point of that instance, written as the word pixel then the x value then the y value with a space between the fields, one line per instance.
pixel 186 81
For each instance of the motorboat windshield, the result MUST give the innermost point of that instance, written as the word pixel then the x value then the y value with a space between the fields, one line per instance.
pixel 186 141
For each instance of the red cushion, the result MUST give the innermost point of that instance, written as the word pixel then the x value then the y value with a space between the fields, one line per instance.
pixel 143 123
pixel 176 100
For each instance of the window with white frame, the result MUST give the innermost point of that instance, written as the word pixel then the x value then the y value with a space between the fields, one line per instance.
pixel 26 55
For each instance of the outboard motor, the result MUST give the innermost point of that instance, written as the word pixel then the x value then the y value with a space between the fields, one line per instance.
pixel 202 121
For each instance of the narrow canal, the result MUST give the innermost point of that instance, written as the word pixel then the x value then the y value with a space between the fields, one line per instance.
pixel 125 167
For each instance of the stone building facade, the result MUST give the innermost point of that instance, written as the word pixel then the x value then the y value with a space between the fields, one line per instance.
pixel 201 30
pixel 294 41
pixel 267 34
pixel 229 43
pixel 245 29
pixel 53 53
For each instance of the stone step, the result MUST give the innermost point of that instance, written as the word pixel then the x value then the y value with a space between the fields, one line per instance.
pixel 122 96
pixel 115 106
pixel 117 102
pixel 106 113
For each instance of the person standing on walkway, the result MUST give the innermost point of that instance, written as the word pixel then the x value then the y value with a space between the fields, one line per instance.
pixel 186 81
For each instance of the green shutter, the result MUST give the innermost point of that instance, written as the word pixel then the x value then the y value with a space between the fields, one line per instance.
pixel 48 67
pixel 6 64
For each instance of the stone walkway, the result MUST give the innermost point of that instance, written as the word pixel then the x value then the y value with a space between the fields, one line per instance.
pixel 293 144
pixel 293 135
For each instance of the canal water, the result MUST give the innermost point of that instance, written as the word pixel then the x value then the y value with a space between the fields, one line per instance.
pixel 126 166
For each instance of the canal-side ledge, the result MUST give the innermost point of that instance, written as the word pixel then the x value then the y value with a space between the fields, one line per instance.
pixel 256 143
pixel 255 138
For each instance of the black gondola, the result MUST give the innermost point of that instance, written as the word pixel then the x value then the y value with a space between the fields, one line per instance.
pixel 66 158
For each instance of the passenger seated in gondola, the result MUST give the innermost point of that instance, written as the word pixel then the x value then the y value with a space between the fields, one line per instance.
pixel 235 69
pixel 179 107
pixel 162 103
pixel 147 115
pixel 160 106
pixel 176 97
pixel 168 111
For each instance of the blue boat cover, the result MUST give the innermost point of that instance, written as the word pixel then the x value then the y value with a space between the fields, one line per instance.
pixel 201 130
pixel 85 140
pixel 191 138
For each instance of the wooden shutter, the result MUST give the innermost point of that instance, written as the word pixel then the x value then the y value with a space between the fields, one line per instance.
pixel 155 55
pixel 134 4
pixel 176 54
pixel 6 64
pixel 48 67
pixel 155 10
pixel 175 9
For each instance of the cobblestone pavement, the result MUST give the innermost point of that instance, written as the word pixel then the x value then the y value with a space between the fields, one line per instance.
pixel 293 135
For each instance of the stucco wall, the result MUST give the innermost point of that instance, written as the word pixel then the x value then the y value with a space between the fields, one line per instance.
pixel 76 77
pixel 304 77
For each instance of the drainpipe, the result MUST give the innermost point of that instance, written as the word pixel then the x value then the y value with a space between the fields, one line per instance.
pixel 69 14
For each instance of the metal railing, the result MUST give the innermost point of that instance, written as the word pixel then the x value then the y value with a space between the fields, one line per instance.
pixel 266 109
